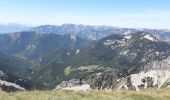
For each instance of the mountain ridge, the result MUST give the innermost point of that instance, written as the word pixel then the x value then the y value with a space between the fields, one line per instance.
pixel 55 58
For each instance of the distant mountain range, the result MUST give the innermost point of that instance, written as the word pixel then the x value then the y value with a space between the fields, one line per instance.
pixel 98 32
pixel 13 27
pixel 104 57
pixel 84 31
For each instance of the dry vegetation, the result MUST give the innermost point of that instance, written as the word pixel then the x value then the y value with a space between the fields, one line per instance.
pixel 163 94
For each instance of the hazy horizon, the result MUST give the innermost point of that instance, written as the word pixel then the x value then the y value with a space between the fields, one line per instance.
pixel 124 14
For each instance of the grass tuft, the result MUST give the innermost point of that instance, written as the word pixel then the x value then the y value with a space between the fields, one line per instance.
pixel 163 94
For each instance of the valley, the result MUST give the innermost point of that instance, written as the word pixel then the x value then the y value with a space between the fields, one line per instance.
pixel 43 59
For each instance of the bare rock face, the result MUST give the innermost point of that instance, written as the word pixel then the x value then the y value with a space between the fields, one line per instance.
pixel 7 86
pixel 150 79
pixel 70 83
pixel 98 81
pixel 108 80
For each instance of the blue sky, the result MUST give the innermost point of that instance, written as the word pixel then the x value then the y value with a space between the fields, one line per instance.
pixel 120 13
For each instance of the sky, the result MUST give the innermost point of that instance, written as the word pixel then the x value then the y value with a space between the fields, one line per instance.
pixel 119 13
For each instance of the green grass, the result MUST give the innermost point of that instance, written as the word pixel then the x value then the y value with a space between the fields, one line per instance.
pixel 163 94
pixel 88 68
pixel 68 70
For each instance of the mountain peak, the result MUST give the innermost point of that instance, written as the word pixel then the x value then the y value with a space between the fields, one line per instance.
pixel 146 35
